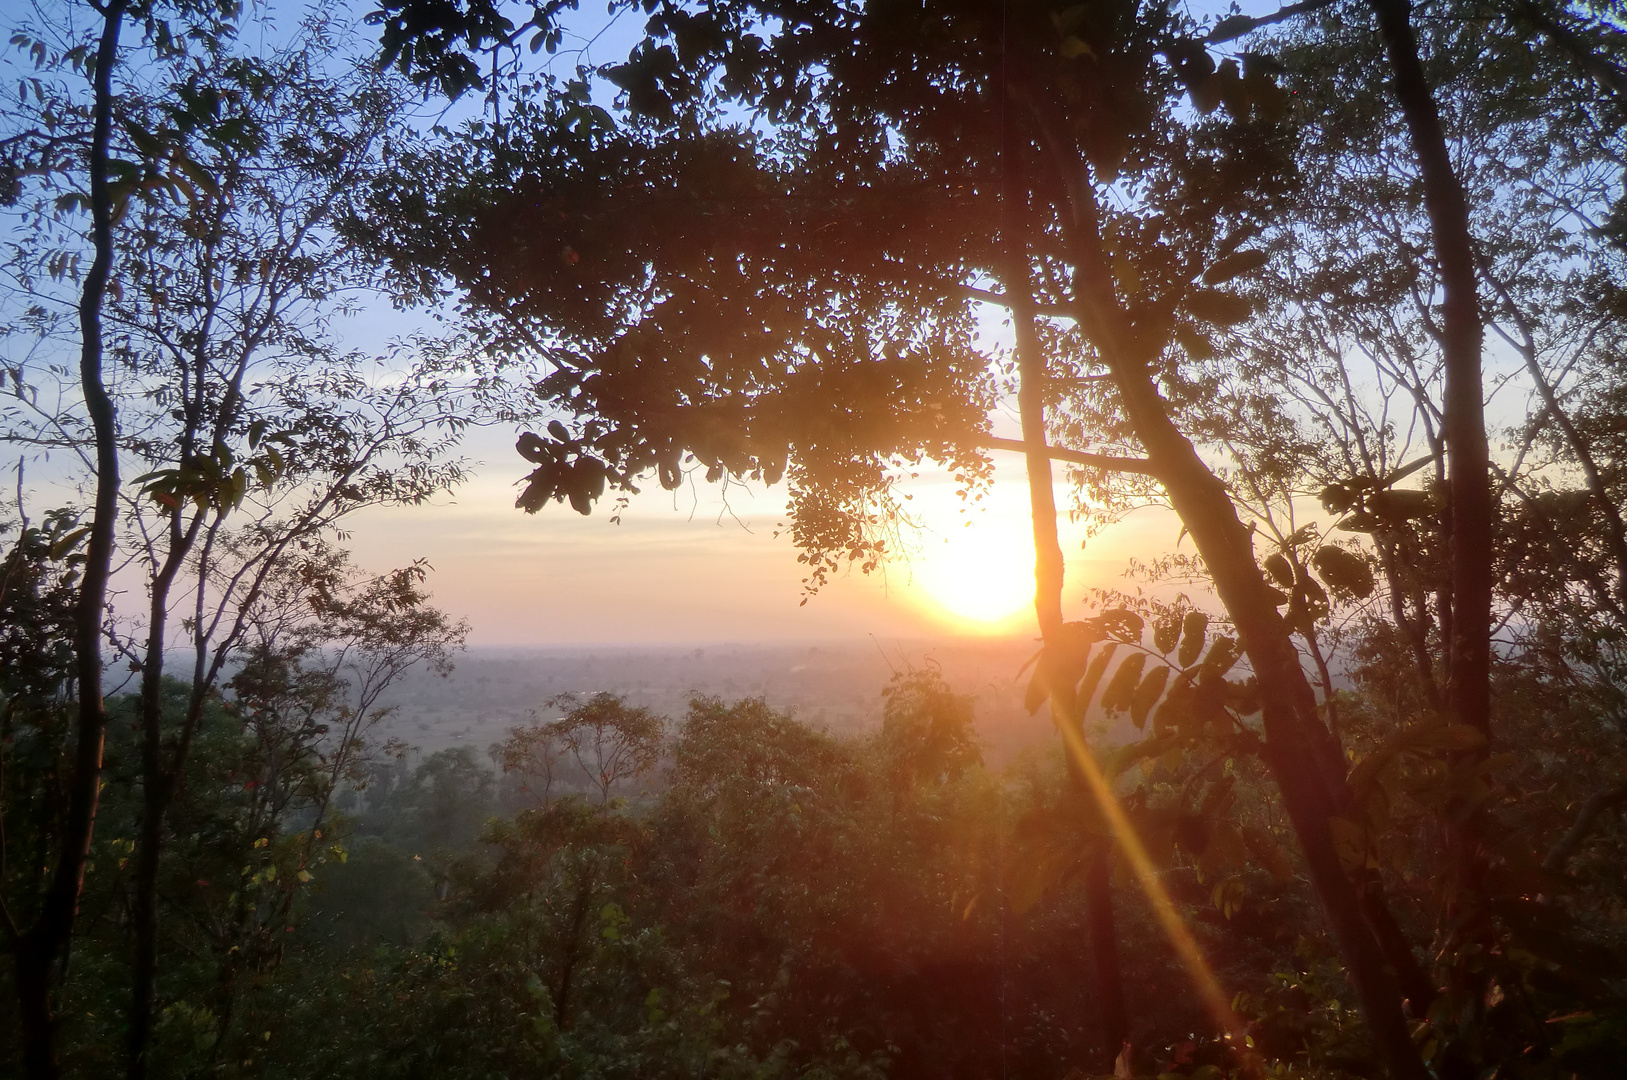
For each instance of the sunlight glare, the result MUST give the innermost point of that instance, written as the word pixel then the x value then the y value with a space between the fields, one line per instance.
pixel 981 574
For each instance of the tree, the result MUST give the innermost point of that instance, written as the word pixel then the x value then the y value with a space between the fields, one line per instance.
pixel 609 740
pixel 324 643
pixel 957 106
pixel 38 945
pixel 235 403
pixel 927 729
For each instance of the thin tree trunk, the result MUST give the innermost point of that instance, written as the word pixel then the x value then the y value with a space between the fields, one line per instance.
pixel 567 970
pixel 144 919
pixel 1049 575
pixel 1615 530
pixel 42 944
pixel 157 786
pixel 1414 630
pixel 1468 687
pixel 1468 644
pixel 1066 709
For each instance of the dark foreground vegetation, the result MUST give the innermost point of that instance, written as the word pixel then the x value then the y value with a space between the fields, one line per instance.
pixel 1343 285
pixel 738 895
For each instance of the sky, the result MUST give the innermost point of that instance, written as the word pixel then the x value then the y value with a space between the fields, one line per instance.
pixel 702 565
pixel 685 566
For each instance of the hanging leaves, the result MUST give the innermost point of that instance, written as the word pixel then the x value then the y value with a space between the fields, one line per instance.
pixel 1166 633
pixel 1234 265
pixel 1345 572
pixel 1094 673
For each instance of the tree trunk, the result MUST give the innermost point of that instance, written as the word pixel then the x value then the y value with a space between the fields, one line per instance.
pixel 144 920
pixel 157 786
pixel 42 944
pixel 1468 653
pixel 1468 688
pixel 1049 575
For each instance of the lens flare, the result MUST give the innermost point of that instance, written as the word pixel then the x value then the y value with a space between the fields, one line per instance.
pixel 1169 919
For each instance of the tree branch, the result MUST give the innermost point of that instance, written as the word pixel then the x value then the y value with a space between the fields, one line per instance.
pixel 1592 811
pixel 1079 457
pixel 1236 26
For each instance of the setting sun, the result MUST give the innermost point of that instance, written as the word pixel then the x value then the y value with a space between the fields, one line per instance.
pixel 982 573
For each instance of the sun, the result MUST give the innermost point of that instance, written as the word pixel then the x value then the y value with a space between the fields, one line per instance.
pixel 980 575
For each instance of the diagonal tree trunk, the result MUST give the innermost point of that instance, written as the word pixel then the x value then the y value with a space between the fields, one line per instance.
pixel 1304 758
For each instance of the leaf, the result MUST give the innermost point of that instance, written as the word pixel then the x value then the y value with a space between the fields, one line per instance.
pixel 1234 265
pixel 1166 633
pixel 1280 569
pixel 1350 841
pixel 1429 735
pixel 1231 26
pixel 1336 498
pixel 1268 853
pixel 1116 698
pixel 1174 713
pixel 1146 694
pixel 1194 342
pixel 1345 572
pixel 1093 675
pixel 1038 691
pixel 531 447
pixel 1225 849
pixel 1193 629
pixel 1074 47
pixel 68 542
pixel 1223 656
pixel 1123 624
pixel 198 175
pixel 1030 662
pixel 146 143
pixel 1401 505
pixel 1126 756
